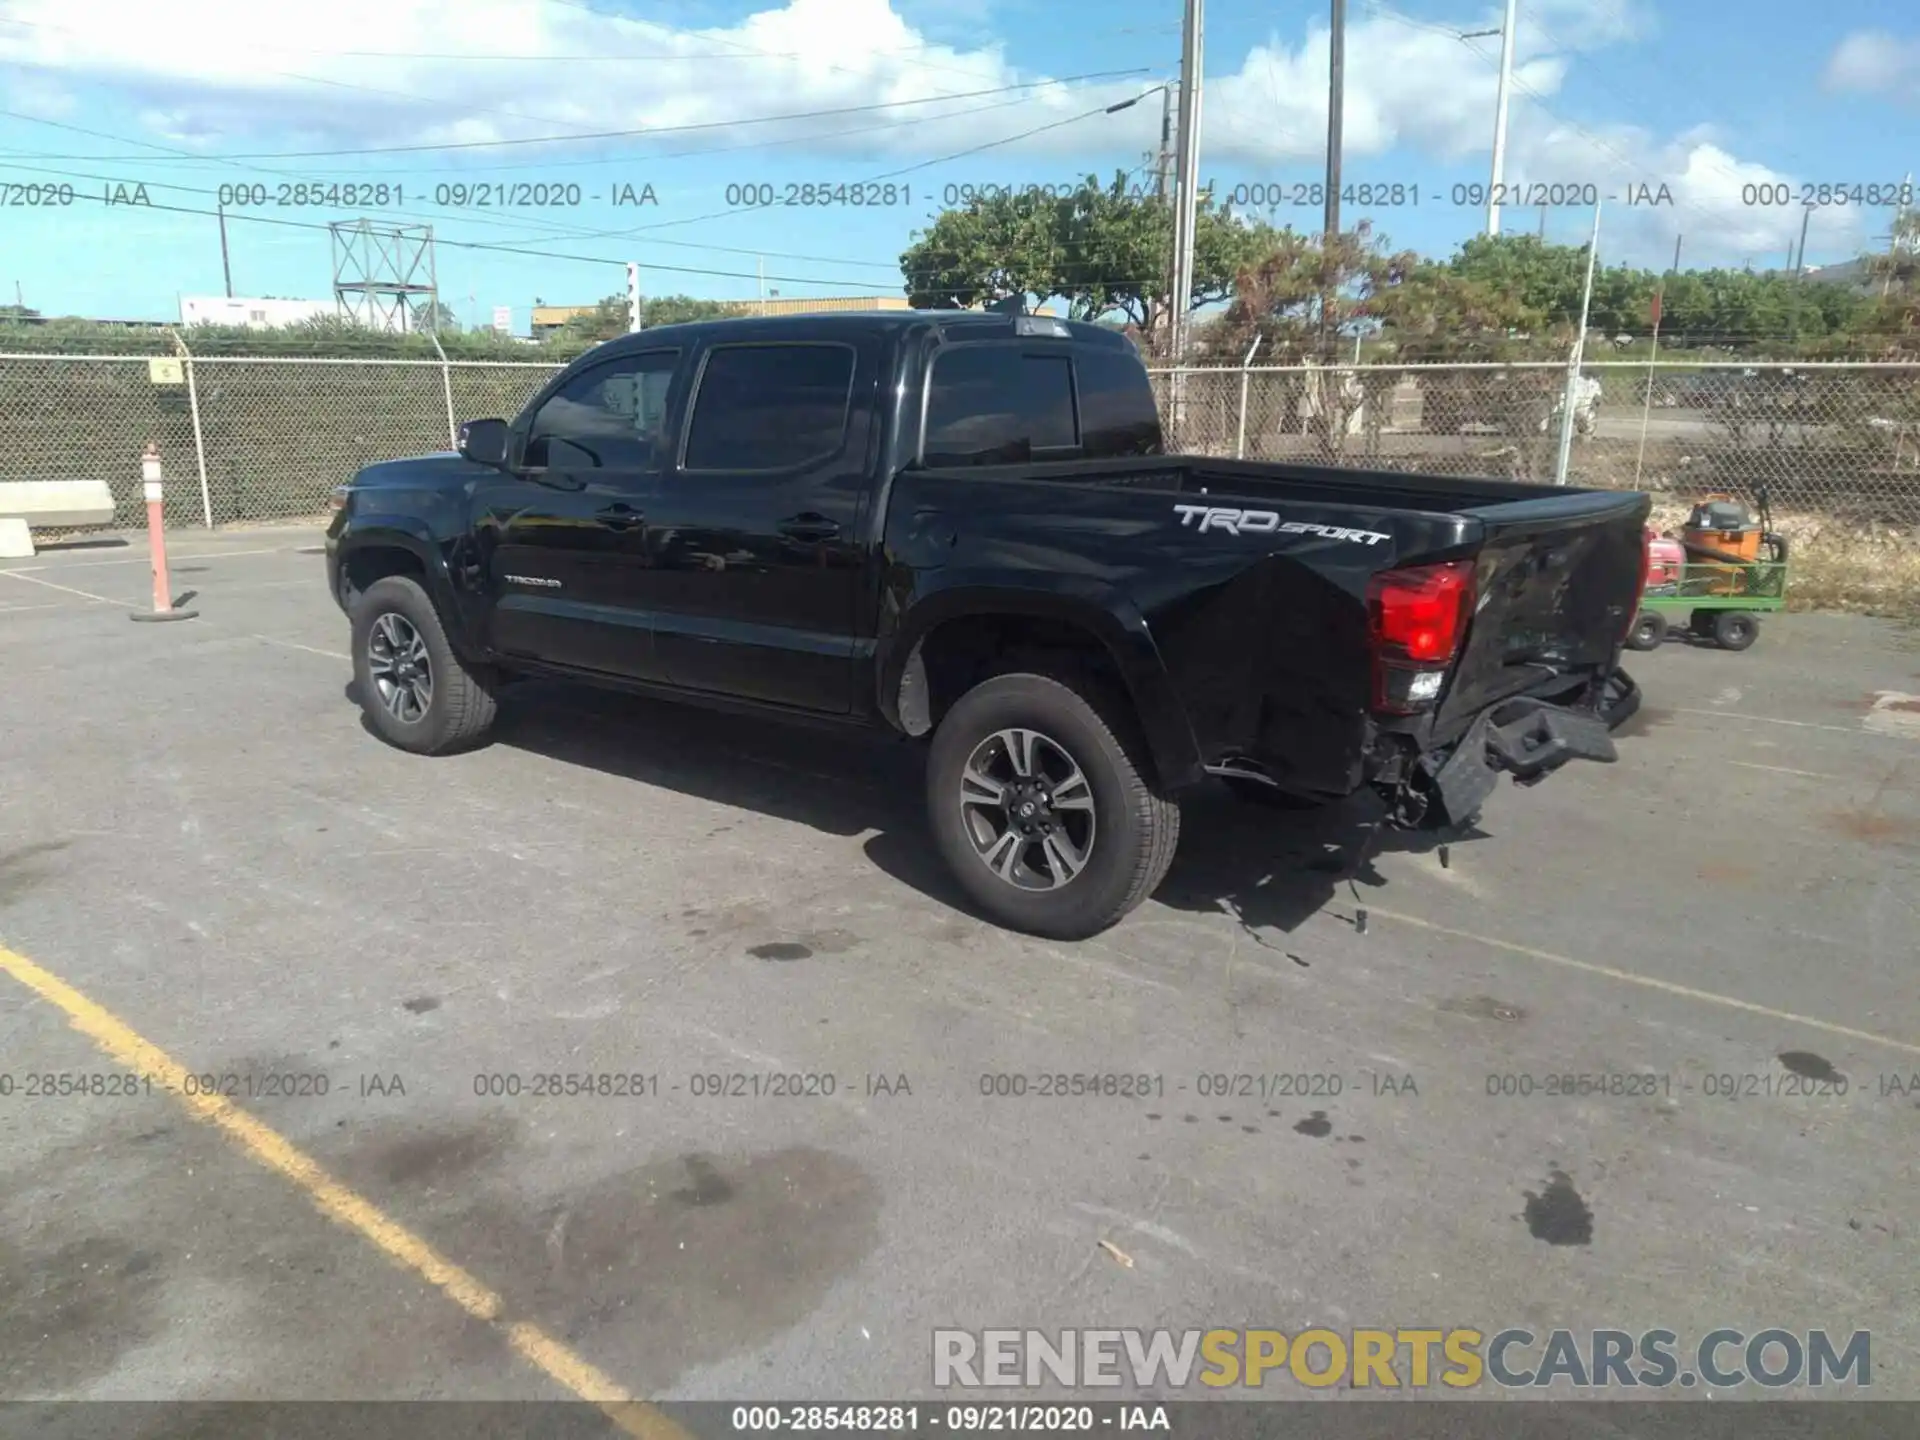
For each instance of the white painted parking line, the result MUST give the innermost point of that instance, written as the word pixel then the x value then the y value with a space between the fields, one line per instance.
pixel 1781 770
pixel 295 645
pixel 83 594
pixel 1650 982
pixel 1776 720
pixel 142 559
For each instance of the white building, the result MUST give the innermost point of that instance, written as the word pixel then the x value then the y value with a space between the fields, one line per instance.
pixel 253 314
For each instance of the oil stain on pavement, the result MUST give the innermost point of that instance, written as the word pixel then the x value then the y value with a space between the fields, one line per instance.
pixel 1557 1214
pixel 1809 1066
pixel 68 1314
pixel 672 1264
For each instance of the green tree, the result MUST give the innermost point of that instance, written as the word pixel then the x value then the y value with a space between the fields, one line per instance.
pixel 436 317
pixel 608 318
pixel 676 310
pixel 1104 250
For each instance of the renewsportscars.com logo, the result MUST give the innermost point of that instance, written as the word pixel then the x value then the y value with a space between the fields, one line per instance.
pixel 1457 1358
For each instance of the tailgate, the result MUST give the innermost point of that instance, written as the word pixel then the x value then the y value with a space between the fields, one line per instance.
pixel 1556 585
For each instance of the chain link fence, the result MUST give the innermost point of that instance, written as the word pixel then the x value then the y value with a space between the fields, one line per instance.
pixel 243 439
pixel 263 439
pixel 1838 439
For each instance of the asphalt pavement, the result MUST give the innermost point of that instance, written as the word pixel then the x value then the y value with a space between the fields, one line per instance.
pixel 803 1144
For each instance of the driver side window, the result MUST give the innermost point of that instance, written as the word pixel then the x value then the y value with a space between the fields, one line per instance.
pixel 611 417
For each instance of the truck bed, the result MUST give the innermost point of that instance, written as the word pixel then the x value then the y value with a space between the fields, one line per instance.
pixel 1279 578
pixel 1305 484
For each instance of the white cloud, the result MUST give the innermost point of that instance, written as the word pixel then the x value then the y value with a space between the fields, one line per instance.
pixel 31 94
pixel 226 76
pixel 1877 63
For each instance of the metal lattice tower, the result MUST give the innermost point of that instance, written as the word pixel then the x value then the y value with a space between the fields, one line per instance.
pixel 382 272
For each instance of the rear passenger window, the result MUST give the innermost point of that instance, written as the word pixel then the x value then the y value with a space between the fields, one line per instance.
pixel 995 405
pixel 1118 415
pixel 770 407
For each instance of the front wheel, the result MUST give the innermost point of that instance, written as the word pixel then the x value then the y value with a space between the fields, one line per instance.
pixel 1649 630
pixel 1040 803
pixel 416 693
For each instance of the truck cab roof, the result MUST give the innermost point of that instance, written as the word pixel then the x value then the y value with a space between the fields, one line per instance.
pixel 953 325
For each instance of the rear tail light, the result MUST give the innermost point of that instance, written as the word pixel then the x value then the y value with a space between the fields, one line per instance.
pixel 1417 619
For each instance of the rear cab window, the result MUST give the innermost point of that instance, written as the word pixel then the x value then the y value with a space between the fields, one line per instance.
pixel 1012 403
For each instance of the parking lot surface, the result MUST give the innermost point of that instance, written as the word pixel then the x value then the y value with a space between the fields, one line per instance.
pixel 374 958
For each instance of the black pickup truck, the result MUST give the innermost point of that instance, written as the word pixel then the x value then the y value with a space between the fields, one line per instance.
pixel 962 526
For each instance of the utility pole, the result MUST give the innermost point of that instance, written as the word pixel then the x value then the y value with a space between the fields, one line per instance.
pixel 1500 119
pixel 633 297
pixel 226 270
pixel 760 264
pixel 1541 232
pixel 1336 105
pixel 1164 160
pixel 1188 195
pixel 1676 252
pixel 1801 268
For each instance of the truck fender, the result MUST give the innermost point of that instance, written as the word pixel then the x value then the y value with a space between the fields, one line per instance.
pixel 412 535
pixel 1109 616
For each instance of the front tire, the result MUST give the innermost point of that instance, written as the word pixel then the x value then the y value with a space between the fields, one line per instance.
pixel 416 693
pixel 1041 803
pixel 1649 631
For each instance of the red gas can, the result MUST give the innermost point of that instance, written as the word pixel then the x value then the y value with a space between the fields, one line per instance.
pixel 1665 558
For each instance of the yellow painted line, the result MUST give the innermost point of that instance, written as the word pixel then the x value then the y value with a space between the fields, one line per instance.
pixel 83 594
pixel 1649 982
pixel 342 1205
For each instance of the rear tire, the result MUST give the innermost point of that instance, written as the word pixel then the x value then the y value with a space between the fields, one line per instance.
pixel 1649 631
pixel 416 693
pixel 1735 629
pixel 1098 836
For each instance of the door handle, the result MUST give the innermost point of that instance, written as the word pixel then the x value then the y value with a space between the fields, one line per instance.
pixel 620 516
pixel 814 528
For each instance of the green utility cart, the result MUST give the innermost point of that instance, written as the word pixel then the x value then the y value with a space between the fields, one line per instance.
pixel 1714 601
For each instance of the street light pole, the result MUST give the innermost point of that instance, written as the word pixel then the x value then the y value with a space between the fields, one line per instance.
pixel 1500 119
pixel 1336 106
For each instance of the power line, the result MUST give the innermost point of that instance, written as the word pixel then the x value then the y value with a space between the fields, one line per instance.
pixel 560 232
pixel 741 52
pixel 636 231
pixel 633 133
pixel 639 230
pixel 502 248
pixel 508 249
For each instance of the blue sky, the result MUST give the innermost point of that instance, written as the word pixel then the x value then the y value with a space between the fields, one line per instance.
pixel 1704 97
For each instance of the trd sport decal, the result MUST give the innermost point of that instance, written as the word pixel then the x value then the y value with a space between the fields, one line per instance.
pixel 1268 522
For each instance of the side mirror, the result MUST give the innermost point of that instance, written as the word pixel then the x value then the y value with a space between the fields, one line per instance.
pixel 484 442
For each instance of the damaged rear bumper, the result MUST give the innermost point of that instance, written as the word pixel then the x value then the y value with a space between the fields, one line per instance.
pixel 1526 738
